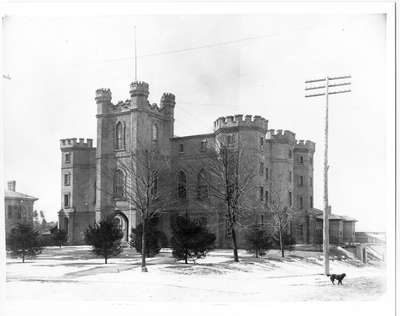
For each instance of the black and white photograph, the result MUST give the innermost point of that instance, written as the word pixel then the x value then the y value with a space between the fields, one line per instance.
pixel 199 154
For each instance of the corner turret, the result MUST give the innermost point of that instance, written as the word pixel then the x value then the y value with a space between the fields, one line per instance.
pixel 167 104
pixel 139 91
pixel 103 101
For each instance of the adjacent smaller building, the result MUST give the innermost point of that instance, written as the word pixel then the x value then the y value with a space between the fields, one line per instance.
pixel 18 207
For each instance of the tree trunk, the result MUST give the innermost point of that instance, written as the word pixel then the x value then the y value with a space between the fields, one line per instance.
pixel 23 255
pixel 235 249
pixel 105 259
pixel 144 268
pixel 186 257
pixel 281 243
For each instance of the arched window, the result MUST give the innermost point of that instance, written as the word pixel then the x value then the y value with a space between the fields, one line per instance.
pixel 154 132
pixel 119 136
pixel 119 184
pixel 202 187
pixel 181 185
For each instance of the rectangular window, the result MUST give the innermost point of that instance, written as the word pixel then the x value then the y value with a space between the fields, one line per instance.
pixel 290 154
pixel 261 142
pixel 203 145
pixel 261 168
pixel 181 148
pixel 262 193
pixel 301 160
pixel 266 197
pixel 230 139
pixel 301 202
pixel 67 179
pixel 66 200
pixel 67 157
pixel 262 220
pixel 301 181
pixel 266 174
pixel 311 202
pixel 290 198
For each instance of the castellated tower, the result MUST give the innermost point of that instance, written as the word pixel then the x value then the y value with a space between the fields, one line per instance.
pixel 78 176
pixel 125 129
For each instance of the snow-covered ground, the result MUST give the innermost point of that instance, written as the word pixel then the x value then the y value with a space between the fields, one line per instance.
pixel 73 272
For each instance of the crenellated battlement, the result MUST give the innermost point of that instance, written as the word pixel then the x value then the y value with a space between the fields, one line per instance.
pixel 74 143
pixel 103 95
pixel 167 99
pixel 139 88
pixel 305 144
pixel 237 120
pixel 281 135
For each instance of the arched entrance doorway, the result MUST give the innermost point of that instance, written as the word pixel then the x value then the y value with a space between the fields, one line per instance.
pixel 122 221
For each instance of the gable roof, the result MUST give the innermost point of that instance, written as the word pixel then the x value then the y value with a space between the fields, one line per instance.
pixel 16 195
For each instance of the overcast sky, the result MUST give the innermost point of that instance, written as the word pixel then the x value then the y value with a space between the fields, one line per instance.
pixel 215 65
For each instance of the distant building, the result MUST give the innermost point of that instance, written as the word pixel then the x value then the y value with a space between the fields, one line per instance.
pixel 371 237
pixel 284 166
pixel 18 207
pixel 341 228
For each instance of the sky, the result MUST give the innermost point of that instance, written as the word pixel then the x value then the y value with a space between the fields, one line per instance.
pixel 216 65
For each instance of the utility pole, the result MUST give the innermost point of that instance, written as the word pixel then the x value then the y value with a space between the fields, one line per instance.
pixel 324 90
pixel 135 56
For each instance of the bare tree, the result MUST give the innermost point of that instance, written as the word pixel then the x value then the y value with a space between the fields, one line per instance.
pixel 141 179
pixel 280 211
pixel 231 174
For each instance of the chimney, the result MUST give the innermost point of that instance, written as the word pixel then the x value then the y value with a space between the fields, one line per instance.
pixel 11 185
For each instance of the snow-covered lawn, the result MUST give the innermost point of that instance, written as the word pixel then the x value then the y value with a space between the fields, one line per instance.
pixel 73 272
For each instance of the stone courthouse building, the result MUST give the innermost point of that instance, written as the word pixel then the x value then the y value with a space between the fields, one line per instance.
pixel 283 166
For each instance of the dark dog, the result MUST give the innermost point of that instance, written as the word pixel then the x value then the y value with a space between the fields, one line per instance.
pixel 338 277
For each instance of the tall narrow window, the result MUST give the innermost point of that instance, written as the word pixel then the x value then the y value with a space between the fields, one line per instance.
pixel 67 157
pixel 202 187
pixel 301 202
pixel 181 148
pixel 262 220
pixel 266 197
pixel 301 159
pixel 261 168
pixel 290 177
pixel 290 198
pixel 67 179
pixel 290 154
pixel 154 184
pixel 119 136
pixel 261 143
pixel 182 185
pixel 266 174
pixel 301 181
pixel 261 193
pixel 10 213
pixel 119 184
pixel 154 133
pixel 66 200
pixel 203 145
pixel 311 202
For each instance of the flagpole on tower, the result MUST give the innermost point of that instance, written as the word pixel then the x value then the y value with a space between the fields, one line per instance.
pixel 135 54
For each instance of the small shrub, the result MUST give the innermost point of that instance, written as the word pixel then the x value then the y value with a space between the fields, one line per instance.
pixel 24 241
pixel 190 239
pixel 258 240
pixel 105 239
pixel 155 238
